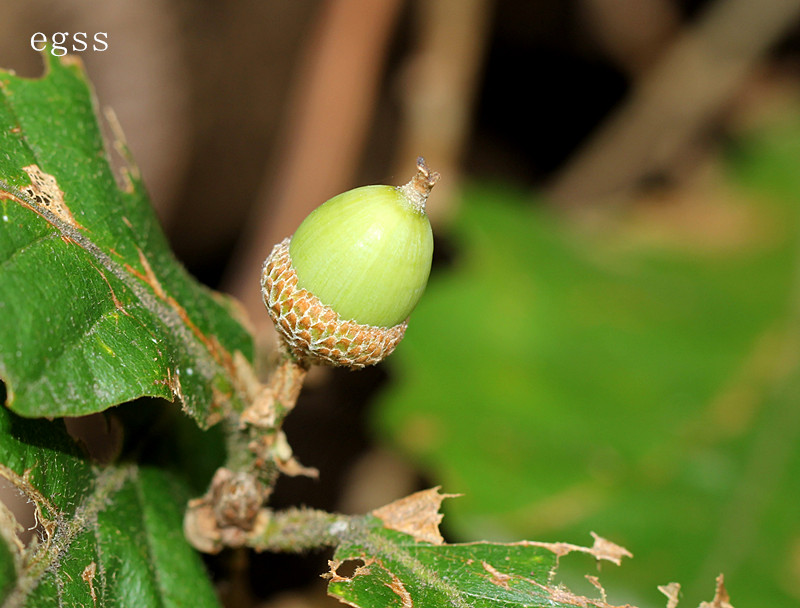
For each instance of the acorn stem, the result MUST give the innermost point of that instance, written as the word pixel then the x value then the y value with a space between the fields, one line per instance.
pixel 419 188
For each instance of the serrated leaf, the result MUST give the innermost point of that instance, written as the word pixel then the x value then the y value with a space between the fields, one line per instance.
pixel 105 536
pixel 94 309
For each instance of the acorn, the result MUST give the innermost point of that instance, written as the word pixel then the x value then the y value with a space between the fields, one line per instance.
pixel 340 290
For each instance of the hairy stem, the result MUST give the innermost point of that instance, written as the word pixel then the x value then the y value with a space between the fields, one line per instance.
pixel 257 453
pixel 296 530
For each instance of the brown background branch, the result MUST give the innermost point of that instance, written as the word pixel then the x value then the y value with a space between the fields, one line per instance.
pixel 694 80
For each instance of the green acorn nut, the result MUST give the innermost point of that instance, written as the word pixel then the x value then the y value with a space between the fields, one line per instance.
pixel 341 288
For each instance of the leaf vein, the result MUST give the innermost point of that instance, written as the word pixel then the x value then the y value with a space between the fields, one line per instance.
pixel 45 557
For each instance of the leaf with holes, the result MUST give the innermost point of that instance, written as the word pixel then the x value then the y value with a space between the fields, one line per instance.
pixel 95 309
pixel 387 568
pixel 103 536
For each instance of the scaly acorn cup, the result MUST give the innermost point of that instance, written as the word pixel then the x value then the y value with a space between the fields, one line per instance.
pixel 341 288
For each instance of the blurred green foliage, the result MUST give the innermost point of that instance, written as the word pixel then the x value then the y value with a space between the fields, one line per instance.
pixel 636 375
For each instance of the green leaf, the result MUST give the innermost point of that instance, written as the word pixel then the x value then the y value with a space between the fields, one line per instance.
pixel 95 309
pixel 105 536
pixel 634 379
pixel 394 569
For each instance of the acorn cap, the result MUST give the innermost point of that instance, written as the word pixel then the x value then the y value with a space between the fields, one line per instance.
pixel 341 288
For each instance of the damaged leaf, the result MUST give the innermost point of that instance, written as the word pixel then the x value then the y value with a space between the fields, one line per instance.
pixel 396 557
pixel 380 567
pixel 103 536
pixel 395 569
pixel 95 309
pixel 721 597
pixel 417 515
pixel 672 591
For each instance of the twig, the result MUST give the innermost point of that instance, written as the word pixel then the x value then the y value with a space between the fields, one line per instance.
pixel 297 530
pixel 257 453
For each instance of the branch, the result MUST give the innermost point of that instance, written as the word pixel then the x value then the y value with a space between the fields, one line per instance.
pixel 699 74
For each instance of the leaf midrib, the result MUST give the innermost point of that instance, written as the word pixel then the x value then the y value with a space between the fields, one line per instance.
pixel 47 554
pixel 208 365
